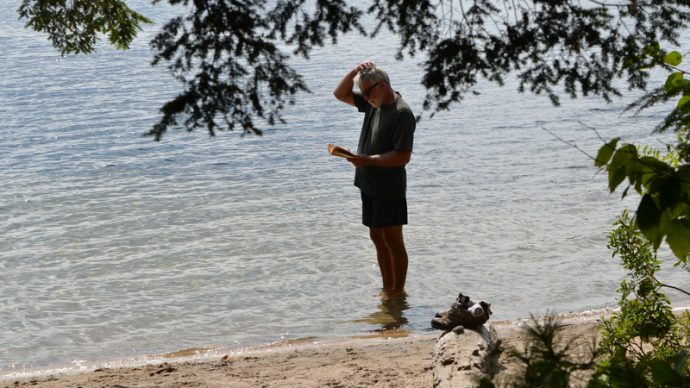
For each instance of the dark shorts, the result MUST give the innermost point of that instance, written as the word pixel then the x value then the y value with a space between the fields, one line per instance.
pixel 377 213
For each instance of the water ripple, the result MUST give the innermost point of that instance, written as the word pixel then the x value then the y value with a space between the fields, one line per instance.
pixel 115 246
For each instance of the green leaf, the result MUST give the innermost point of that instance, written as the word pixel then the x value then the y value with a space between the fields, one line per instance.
pixel 679 209
pixel 674 58
pixel 656 165
pixel 652 49
pixel 616 176
pixel 617 167
pixel 648 219
pixel 682 103
pixel 638 173
pixel 666 190
pixel 646 286
pixel 684 176
pixel 653 171
pixel 666 222
pixel 678 238
pixel 680 359
pixel 605 153
pixel 675 82
pixel 664 374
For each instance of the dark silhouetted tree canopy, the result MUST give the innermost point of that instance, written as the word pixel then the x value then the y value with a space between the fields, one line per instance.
pixel 228 56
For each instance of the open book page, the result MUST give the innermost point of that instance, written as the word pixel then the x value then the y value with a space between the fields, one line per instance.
pixel 340 151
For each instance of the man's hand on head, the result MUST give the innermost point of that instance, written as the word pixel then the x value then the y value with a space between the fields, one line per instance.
pixel 365 65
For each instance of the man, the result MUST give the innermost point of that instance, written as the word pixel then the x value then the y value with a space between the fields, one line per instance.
pixel 385 147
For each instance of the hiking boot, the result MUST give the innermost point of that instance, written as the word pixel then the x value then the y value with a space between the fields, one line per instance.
pixel 463 312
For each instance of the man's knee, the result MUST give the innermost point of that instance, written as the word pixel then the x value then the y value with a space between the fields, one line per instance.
pixel 376 235
pixel 392 235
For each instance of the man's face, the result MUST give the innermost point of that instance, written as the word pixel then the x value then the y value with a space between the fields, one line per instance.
pixel 371 91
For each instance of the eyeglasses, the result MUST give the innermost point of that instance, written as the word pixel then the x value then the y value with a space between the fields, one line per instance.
pixel 367 92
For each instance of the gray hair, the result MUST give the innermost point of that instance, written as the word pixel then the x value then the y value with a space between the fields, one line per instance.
pixel 373 74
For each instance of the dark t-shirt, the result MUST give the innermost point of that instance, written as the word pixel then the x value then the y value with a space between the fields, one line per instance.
pixel 384 129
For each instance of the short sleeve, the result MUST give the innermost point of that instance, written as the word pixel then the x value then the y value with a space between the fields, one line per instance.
pixel 404 131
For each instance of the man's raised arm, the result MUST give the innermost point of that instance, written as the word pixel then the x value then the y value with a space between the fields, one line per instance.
pixel 343 91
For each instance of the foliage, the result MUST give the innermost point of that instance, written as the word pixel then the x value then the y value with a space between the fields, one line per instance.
pixel 227 55
pixel 547 362
pixel 73 26
pixel 230 58
pixel 676 85
pixel 645 343
pixel 642 345
pixel 664 209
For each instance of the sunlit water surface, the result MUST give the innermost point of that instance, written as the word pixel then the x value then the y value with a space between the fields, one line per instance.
pixel 114 246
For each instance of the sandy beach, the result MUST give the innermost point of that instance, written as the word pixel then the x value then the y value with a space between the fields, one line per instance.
pixel 389 359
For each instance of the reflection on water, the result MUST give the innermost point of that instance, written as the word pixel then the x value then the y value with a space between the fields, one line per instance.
pixel 389 315
pixel 110 240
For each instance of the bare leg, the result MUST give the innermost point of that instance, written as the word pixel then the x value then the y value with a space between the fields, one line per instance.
pixel 393 237
pixel 383 255
pixel 392 256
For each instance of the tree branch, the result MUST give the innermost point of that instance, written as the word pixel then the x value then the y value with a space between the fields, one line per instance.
pixel 674 288
pixel 569 143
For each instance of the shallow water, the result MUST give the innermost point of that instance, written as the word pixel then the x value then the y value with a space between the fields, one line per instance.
pixel 114 246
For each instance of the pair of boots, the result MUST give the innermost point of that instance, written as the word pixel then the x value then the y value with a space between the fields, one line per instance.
pixel 463 312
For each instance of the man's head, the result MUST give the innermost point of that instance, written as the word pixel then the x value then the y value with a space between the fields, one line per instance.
pixel 374 85
pixel 372 74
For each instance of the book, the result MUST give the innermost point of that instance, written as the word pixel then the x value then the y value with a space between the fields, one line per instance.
pixel 340 152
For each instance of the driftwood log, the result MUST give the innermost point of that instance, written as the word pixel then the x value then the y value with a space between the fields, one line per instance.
pixel 463 352
pixel 461 356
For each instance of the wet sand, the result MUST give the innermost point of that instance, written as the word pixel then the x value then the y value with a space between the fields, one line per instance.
pixel 394 358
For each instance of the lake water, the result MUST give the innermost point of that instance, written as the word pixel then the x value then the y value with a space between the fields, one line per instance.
pixel 115 247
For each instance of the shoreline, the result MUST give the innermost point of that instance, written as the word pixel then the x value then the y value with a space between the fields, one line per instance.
pixel 392 358
pixel 194 357
pixel 206 352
